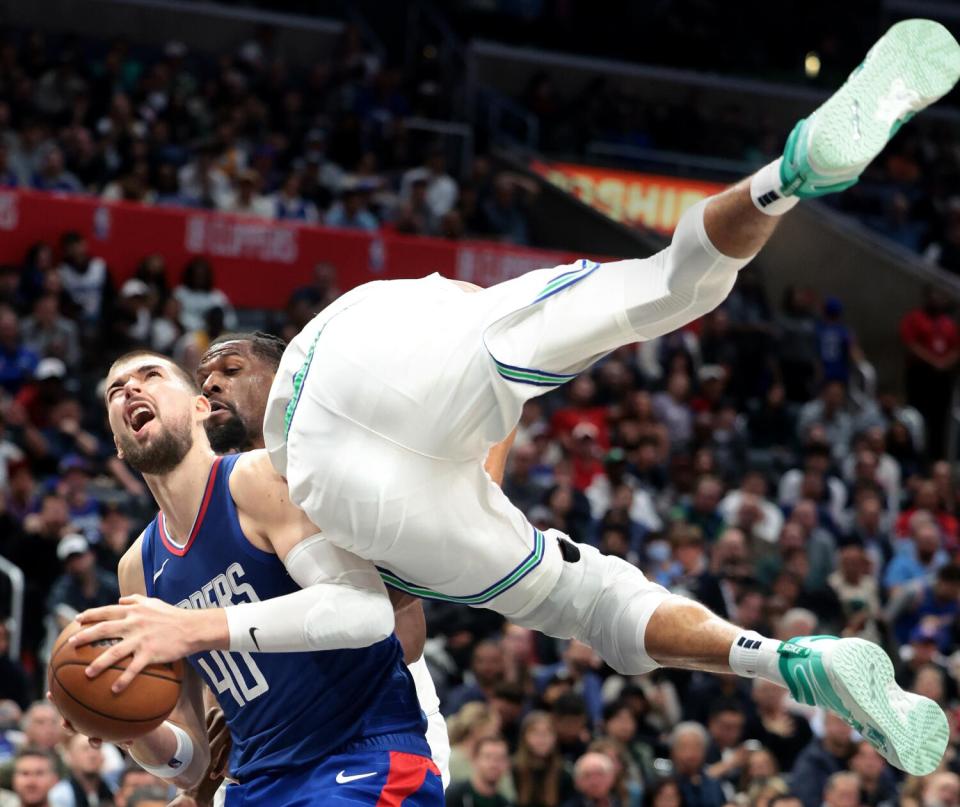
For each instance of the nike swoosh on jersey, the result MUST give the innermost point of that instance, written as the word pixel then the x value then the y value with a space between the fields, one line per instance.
pixel 159 571
pixel 342 780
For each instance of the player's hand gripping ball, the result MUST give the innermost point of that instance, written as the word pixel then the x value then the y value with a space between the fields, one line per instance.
pixel 91 706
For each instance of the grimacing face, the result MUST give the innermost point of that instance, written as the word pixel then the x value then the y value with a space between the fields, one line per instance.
pixel 152 409
pixel 237 382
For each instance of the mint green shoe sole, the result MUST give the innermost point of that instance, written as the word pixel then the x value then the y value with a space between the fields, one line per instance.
pixel 909 730
pixel 911 66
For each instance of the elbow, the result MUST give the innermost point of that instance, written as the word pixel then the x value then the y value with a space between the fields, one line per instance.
pixel 379 623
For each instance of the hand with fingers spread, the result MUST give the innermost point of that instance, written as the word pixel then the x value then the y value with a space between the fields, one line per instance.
pixel 151 632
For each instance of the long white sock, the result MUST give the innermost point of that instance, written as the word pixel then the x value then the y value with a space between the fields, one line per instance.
pixel 753 655
pixel 765 191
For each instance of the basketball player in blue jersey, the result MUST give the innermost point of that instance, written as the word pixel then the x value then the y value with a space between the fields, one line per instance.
pixel 235 374
pixel 385 405
pixel 337 724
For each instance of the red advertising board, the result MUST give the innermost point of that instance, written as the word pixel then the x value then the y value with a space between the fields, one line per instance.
pixel 647 200
pixel 257 262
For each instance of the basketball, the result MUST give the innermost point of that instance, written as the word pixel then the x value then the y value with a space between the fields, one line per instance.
pixel 90 704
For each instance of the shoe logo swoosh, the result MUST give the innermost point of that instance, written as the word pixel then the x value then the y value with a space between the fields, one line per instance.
pixel 342 779
pixel 158 572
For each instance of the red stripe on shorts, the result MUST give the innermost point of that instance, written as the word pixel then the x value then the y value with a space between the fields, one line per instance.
pixel 406 776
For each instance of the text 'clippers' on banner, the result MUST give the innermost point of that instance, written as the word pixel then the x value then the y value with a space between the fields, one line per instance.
pixel 257 262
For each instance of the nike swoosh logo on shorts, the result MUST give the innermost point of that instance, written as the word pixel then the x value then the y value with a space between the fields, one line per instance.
pixel 159 571
pixel 342 780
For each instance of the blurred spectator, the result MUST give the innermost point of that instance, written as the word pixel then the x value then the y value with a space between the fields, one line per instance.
pixel 775 727
pixel 487 670
pixel 797 348
pixel 48 333
pixel 352 212
pixel 85 278
pixel 820 760
pixel 475 721
pixel 726 758
pixel 290 205
pixel 941 790
pixel 842 790
pixel 247 199
pixel 53 175
pixel 83 584
pixel 572 723
pixel 133 778
pixel 580 665
pixel 918 556
pixel 197 294
pixel 931 602
pixel 504 210
pixel 594 778
pixel 932 342
pixel 34 776
pixel 703 510
pixel 491 764
pixel 14 683
pixel 85 786
pixel 688 750
pixel 837 343
pixel 438 187
pixel 750 510
pixel 857 591
pixel 17 362
pixel 664 793
pixel 152 796
pixel 927 499
pixel 829 411
pixel 878 785
pixel 540 775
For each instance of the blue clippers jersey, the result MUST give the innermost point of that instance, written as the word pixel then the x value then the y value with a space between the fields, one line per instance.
pixel 284 710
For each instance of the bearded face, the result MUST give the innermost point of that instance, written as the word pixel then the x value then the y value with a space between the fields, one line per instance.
pixel 161 453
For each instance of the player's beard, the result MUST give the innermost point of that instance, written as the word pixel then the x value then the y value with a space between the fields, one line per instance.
pixel 230 435
pixel 161 454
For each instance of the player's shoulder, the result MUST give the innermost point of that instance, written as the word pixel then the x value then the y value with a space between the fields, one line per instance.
pixel 256 486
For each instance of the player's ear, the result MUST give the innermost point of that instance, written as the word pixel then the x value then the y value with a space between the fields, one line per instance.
pixel 116 442
pixel 202 405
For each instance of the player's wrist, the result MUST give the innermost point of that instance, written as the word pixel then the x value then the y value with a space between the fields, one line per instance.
pixel 209 630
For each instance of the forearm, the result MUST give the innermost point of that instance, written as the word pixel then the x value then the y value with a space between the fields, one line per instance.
pixel 322 617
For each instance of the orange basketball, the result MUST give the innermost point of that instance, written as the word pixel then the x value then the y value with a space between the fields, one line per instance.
pixel 93 708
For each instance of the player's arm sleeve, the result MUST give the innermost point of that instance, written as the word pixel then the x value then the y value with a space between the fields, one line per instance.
pixel 342 604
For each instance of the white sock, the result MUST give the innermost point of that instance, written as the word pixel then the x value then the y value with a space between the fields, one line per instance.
pixel 765 191
pixel 753 655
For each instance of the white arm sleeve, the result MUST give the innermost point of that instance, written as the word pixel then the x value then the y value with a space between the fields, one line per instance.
pixel 342 604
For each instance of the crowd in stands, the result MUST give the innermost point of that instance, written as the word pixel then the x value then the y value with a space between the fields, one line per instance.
pixel 251 133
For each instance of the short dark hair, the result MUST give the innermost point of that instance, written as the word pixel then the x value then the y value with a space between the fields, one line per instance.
pixel 614 708
pixel 265 346
pixel 149 793
pixel 496 738
pixel 569 704
pixel 69 238
pixel 949 573
pixel 182 374
pixel 724 705
pixel 34 751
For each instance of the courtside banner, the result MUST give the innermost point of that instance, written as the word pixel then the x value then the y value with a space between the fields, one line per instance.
pixel 257 262
pixel 652 201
